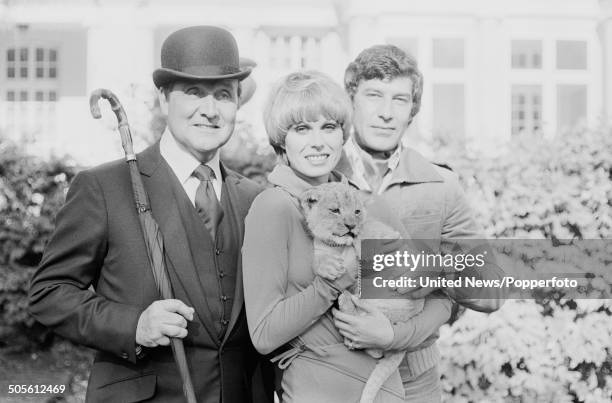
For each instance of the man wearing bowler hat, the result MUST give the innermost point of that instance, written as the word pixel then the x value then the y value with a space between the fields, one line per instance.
pixel 95 285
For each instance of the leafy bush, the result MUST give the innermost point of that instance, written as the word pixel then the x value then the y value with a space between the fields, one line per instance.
pixel 551 349
pixel 31 193
pixel 556 189
pixel 248 156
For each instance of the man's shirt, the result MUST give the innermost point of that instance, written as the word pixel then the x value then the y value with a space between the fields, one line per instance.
pixel 183 164
pixel 371 174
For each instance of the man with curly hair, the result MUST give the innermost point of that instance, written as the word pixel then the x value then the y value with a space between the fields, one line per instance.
pixel 385 86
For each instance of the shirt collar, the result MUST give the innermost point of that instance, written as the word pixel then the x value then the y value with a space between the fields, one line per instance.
pixel 182 162
pixel 360 161
pixel 405 165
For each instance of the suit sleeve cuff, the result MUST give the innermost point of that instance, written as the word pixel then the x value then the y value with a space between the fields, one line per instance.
pixel 127 348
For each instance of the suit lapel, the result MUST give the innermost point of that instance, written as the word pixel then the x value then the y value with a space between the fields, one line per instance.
pixel 240 204
pixel 164 205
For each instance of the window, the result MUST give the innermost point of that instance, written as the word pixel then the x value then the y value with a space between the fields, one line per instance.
pixel 448 53
pixel 526 109
pixel 571 55
pixel 310 52
pixel 24 63
pixel 449 109
pixel 46 63
pixel 571 106
pixel 284 47
pixel 23 59
pixel 526 54
pixel 29 83
pixel 281 52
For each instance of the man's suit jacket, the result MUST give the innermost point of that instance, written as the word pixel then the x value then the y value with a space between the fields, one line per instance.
pixel 98 242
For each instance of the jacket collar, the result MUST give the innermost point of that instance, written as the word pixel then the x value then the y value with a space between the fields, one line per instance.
pixel 412 168
pixel 150 159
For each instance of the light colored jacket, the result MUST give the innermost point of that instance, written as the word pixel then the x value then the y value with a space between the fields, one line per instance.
pixel 430 204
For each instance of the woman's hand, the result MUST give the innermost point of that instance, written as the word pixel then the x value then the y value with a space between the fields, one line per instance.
pixel 370 329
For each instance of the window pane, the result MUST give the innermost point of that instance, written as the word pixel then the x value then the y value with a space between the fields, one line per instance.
pixel 10 96
pixel 23 96
pixel 448 53
pixel 526 54
pixel 526 109
pixel 10 72
pixel 571 106
pixel 52 55
pixel 23 72
pixel 23 54
pixel 571 55
pixel 40 72
pixel 449 109
pixel 40 54
pixel 10 55
pixel 39 96
pixel 52 96
pixel 52 72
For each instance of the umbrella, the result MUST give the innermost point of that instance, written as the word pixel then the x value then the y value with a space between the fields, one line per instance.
pixel 153 238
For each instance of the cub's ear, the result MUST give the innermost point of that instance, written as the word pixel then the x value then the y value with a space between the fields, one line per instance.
pixel 309 198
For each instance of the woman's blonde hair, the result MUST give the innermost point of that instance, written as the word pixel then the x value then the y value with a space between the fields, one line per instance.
pixel 304 96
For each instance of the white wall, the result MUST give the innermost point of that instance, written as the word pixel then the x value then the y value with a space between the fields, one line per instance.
pixel 122 40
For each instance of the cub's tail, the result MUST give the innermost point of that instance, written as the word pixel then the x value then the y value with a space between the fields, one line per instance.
pixel 383 370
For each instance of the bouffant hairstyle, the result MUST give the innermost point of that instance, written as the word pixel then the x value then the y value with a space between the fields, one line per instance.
pixel 304 96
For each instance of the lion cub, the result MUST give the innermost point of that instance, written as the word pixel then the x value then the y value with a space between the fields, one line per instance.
pixel 335 217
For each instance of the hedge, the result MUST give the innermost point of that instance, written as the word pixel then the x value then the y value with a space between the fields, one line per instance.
pixel 552 349
pixel 31 193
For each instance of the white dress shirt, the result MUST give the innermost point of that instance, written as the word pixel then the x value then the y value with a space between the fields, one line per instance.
pixel 183 164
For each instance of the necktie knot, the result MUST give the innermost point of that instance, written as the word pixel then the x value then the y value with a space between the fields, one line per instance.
pixel 204 173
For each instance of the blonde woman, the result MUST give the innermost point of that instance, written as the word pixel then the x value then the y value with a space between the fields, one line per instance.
pixel 307 119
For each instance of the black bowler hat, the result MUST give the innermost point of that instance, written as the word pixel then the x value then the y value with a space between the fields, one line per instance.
pixel 200 53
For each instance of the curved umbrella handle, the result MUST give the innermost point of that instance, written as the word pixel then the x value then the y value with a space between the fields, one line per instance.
pixel 124 128
pixel 114 102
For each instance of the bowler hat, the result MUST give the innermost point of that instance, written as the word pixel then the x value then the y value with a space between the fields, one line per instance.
pixel 199 53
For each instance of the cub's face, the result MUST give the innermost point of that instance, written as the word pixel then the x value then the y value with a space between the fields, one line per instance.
pixel 334 213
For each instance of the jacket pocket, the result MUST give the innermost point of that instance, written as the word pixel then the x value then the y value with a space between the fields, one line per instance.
pixel 127 390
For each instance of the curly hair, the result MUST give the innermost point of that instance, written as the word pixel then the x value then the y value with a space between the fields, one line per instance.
pixel 385 62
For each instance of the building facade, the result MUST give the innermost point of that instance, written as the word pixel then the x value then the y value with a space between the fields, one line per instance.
pixel 493 68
